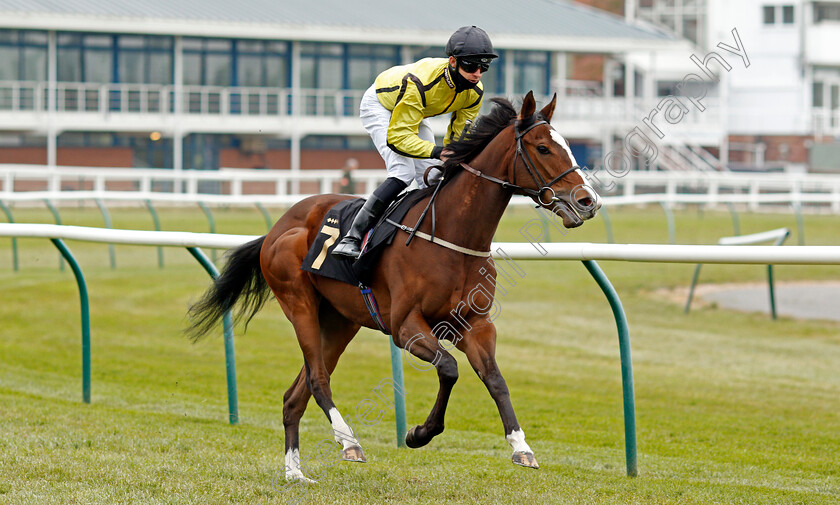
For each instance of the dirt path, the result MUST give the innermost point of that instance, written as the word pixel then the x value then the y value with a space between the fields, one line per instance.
pixel 805 300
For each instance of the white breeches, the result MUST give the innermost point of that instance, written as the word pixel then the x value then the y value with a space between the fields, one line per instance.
pixel 375 119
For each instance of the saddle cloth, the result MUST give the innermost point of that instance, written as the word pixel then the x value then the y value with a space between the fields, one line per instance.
pixel 335 225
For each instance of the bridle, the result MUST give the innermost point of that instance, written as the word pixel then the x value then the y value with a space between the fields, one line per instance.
pixel 545 187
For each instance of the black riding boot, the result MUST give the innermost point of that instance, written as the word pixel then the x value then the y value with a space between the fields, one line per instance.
pixel 350 245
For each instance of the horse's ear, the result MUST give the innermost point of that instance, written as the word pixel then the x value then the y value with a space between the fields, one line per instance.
pixel 548 110
pixel 529 105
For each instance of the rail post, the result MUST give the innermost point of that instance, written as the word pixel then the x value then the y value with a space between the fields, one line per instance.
pixel 156 221
pixel 399 393
pixel 227 324
pixel 672 228
pixel 626 365
pixel 736 223
pixel 106 216
pixel 85 309
pixel 54 211
pixel 778 236
pixel 800 224
pixel 266 216
pixel 15 262
pixel 211 222
pixel 607 224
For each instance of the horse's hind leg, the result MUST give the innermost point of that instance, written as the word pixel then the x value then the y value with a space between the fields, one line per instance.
pixel 335 333
pixel 416 337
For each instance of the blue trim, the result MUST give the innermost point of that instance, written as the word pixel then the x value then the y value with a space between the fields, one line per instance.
pixel 115 60
pixel 234 63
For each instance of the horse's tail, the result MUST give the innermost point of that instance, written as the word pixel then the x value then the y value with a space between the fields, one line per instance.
pixel 241 281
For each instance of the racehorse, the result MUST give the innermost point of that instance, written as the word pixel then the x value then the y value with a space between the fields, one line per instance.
pixel 418 286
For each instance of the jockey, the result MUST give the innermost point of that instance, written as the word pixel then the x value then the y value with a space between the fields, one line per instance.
pixel 395 112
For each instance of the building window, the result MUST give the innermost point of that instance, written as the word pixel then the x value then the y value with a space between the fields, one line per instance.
pixel 817 99
pixel 321 66
pixel 430 52
pixel 531 71
pixel 23 55
pixel 769 14
pixel 494 79
pixel 787 14
pixel 826 12
pixel 262 63
pixel 365 62
pixel 144 59
pixel 85 58
pixel 324 142
pixel 208 62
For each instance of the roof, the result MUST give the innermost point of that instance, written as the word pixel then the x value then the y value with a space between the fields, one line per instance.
pixel 548 24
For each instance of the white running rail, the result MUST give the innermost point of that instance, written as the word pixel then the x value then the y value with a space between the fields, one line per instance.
pixel 791 255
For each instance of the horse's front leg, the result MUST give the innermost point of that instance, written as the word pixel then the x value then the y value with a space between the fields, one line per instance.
pixel 479 345
pixel 415 336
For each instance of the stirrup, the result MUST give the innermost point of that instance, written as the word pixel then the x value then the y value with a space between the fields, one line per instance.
pixel 348 247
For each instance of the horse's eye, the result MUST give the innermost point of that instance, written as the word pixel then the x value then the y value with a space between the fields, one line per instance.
pixel 542 149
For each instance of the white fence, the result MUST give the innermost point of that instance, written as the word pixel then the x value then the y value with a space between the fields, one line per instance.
pixel 112 100
pixel 20 183
pixel 582 251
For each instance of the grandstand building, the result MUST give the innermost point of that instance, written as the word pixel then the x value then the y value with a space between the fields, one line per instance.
pixel 201 85
pixel 783 110
pixel 183 84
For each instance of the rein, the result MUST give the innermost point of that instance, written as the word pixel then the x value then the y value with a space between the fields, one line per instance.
pixel 545 187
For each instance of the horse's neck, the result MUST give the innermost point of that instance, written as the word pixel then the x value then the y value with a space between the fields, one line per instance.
pixel 471 207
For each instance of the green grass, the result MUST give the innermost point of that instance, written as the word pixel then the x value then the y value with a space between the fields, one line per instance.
pixel 731 407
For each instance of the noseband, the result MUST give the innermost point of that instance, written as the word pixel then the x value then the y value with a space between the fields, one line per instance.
pixel 545 187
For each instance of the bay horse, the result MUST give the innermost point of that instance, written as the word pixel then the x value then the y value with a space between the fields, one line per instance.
pixel 417 286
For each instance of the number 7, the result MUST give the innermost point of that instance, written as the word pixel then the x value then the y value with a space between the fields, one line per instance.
pixel 332 233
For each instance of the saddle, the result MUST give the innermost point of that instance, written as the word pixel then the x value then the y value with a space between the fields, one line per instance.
pixel 335 225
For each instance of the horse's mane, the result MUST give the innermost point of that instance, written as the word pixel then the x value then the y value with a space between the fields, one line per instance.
pixel 482 132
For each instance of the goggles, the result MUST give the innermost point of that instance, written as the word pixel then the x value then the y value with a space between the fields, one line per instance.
pixel 471 66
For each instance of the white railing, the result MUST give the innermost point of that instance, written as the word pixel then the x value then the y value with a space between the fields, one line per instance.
pixel 107 100
pixel 825 122
pixel 657 253
pixel 232 186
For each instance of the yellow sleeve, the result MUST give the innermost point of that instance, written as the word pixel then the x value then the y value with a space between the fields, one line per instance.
pixel 459 119
pixel 405 122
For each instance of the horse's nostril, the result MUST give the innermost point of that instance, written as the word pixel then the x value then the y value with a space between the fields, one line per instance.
pixel 585 203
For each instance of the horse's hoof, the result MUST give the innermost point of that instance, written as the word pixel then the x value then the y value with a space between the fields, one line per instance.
pixel 354 454
pixel 298 476
pixel 526 459
pixel 411 439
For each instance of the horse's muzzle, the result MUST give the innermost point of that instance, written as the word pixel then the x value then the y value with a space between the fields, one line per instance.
pixel 583 205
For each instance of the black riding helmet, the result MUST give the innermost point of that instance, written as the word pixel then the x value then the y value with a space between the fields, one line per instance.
pixel 471 42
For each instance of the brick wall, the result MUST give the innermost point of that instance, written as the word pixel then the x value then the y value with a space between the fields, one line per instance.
pixel 309 159
pixel 70 156
pixel 780 148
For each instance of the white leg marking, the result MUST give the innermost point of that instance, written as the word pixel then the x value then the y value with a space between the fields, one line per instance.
pixel 293 470
pixel 517 441
pixel 343 434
